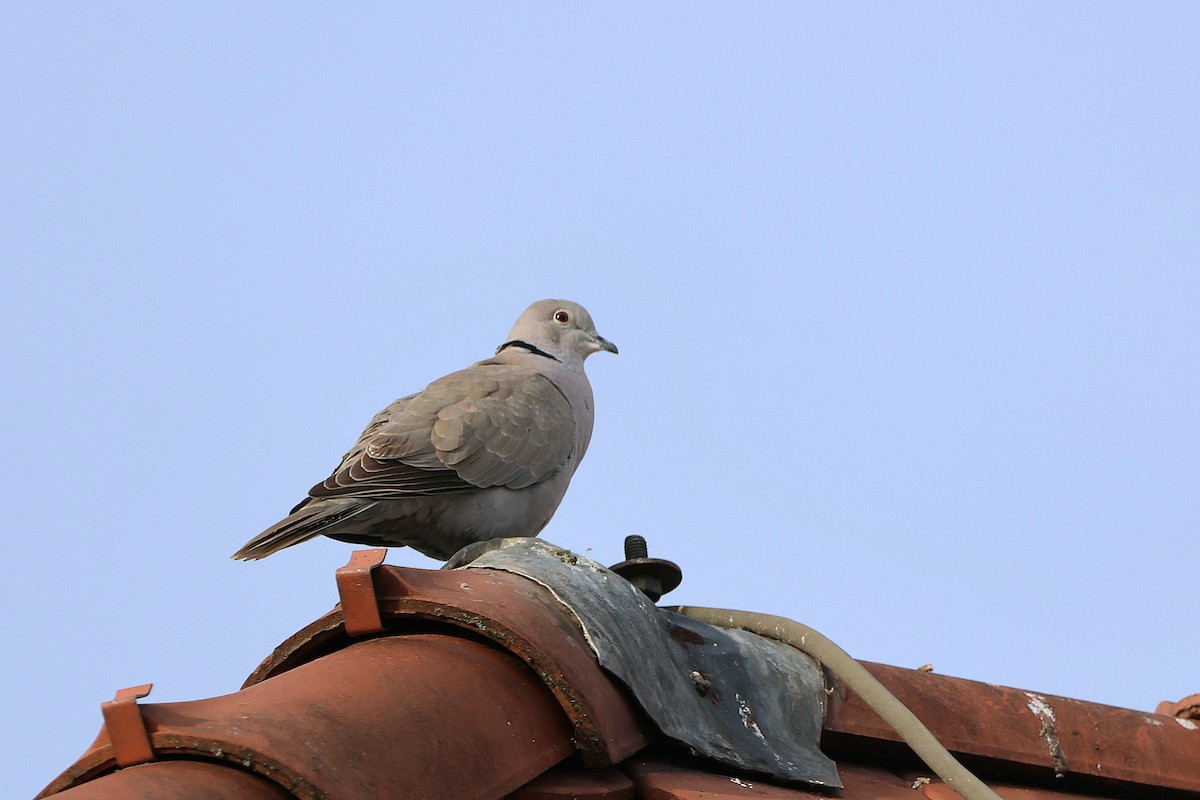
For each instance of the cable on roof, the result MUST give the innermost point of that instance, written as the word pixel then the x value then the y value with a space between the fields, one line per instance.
pixel 861 682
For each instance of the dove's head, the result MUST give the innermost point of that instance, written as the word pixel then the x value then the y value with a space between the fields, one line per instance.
pixel 558 328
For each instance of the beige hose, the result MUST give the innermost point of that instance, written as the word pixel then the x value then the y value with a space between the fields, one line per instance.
pixel 861 682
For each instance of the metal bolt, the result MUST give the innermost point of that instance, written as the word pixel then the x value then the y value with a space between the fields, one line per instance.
pixel 654 576
pixel 635 547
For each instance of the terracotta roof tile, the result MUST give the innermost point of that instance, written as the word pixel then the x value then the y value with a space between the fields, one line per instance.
pixel 1037 735
pixel 479 684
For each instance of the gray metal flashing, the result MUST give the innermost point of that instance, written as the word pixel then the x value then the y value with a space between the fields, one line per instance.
pixel 740 699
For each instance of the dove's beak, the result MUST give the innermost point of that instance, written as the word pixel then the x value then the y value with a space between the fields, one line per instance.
pixel 605 344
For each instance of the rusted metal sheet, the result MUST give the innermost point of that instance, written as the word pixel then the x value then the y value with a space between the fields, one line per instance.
pixel 517 614
pixel 178 780
pixel 662 780
pixel 601 783
pixel 426 716
pixel 1084 744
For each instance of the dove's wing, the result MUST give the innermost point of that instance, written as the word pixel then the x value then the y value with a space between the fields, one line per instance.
pixel 487 425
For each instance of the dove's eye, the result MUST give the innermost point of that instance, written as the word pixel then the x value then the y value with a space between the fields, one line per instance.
pixel 562 316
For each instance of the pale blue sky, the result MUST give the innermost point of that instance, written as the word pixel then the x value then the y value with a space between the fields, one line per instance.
pixel 906 296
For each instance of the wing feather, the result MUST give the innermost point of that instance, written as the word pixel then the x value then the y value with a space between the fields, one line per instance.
pixel 487 425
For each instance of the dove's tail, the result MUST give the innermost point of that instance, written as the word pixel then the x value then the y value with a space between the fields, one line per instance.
pixel 307 521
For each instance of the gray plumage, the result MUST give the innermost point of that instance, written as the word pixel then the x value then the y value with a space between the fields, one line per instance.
pixel 482 453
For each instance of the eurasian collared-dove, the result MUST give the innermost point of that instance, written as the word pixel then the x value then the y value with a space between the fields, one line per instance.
pixel 481 453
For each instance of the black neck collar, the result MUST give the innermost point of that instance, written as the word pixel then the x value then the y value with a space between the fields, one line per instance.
pixel 527 346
